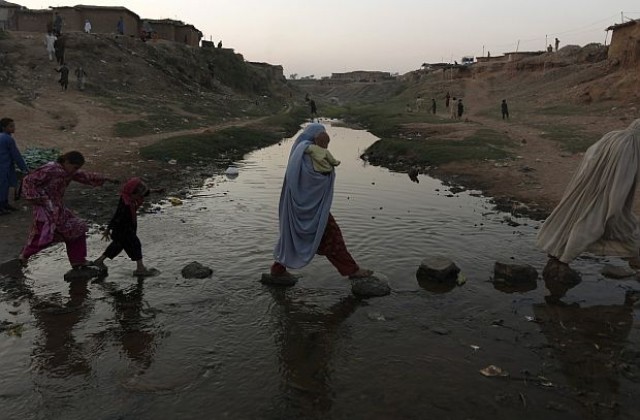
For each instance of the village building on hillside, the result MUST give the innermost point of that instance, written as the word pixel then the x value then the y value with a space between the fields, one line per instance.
pixel 519 55
pixel 625 43
pixel 7 14
pixel 362 76
pixel 103 19
pixel 176 31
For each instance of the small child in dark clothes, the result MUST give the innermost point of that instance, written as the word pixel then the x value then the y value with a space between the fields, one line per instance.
pixel 122 229
pixel 64 76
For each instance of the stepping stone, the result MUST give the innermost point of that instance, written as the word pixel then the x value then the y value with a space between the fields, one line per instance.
pixel 514 273
pixel 375 285
pixel 617 272
pixel 195 270
pixel 85 273
pixel 437 268
pixel 286 280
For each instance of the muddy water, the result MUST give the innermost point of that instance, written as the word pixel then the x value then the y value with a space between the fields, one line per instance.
pixel 229 347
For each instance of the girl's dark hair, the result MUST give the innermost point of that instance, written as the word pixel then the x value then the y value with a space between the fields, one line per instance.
pixel 74 158
pixel 4 123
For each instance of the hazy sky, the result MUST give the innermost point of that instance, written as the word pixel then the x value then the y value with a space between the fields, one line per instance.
pixel 321 37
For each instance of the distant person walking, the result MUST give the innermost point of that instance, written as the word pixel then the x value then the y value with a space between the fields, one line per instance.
pixel 80 77
pixel 453 111
pixel 314 109
pixel 87 26
pixel 460 109
pixel 433 106
pixel 59 46
pixel 120 26
pixel 50 42
pixel 446 100
pixel 557 44
pixel 57 24
pixel 505 109
pixel 10 157
pixel 64 76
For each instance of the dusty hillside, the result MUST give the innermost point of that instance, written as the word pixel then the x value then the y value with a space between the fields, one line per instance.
pixel 559 103
pixel 136 94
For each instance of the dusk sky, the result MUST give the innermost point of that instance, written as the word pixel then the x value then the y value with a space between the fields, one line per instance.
pixel 322 37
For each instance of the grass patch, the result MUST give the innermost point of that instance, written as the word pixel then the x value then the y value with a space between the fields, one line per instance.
pixel 231 143
pixel 156 123
pixel 570 138
pixel 484 144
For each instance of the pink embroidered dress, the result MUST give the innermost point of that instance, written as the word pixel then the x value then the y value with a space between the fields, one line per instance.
pixel 52 221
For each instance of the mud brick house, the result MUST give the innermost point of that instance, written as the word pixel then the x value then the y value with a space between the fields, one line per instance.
pixel 104 19
pixel 176 31
pixel 625 43
pixel 7 14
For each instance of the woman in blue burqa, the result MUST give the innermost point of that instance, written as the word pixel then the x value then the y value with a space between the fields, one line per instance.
pixel 306 224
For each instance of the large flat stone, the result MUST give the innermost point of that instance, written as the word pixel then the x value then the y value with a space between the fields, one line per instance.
pixel 372 286
pixel 437 268
pixel 85 273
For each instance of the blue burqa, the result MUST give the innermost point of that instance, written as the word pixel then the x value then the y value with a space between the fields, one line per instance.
pixel 9 157
pixel 305 202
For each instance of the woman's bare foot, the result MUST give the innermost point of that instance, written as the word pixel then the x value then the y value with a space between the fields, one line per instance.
pixel 361 273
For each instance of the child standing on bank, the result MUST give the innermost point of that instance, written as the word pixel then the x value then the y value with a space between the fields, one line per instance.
pixel 122 229
pixel 323 160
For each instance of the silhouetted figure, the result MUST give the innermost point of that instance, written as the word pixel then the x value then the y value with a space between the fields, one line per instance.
pixel 505 109
pixel 460 108
pixel 433 106
pixel 80 77
pixel 557 44
pixel 87 26
pixel 314 109
pixel 59 46
pixel 550 48
pixel 57 24
pixel 120 26
pixel 446 100
pixel 220 44
pixel 64 76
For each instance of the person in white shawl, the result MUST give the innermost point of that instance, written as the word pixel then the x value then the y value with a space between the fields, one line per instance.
pixel 306 225
pixel 595 213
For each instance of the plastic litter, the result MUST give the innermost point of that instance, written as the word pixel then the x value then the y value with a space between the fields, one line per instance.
pixel 493 370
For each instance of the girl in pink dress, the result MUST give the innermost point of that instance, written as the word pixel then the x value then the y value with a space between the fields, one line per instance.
pixel 52 221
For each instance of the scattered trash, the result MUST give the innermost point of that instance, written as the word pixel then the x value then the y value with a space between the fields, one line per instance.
pixel 175 201
pixel 232 170
pixel 376 316
pixel 172 162
pixel 461 279
pixel 493 370
pixel 530 318
pixel 15 330
pixel 474 347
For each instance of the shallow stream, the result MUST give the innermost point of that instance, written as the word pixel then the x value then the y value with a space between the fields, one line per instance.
pixel 230 347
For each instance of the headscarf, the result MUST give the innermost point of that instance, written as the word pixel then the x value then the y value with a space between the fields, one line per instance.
pixel 131 201
pixel 305 202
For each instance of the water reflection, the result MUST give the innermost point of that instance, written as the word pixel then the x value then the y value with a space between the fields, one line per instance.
pixel 133 331
pixel 588 342
pixel 306 339
pixel 56 351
